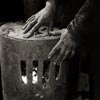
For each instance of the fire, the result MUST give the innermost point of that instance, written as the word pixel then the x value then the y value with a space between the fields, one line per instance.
pixel 34 78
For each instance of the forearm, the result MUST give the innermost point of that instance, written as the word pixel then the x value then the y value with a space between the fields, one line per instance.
pixel 79 26
pixel 51 4
pixel 52 1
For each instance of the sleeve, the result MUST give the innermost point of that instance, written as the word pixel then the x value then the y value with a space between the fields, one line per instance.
pixel 79 26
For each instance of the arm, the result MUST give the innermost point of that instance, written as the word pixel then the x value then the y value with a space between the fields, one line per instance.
pixel 75 34
pixel 79 26
pixel 51 3
pixel 43 17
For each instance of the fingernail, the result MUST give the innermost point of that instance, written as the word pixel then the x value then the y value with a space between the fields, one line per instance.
pixel 49 57
pixel 41 96
pixel 23 28
pixel 36 95
pixel 54 63
pixel 23 32
pixel 25 37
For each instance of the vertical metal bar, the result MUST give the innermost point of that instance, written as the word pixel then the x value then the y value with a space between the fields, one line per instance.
pixel 63 72
pixel 29 71
pixel 52 75
pixel 40 72
pixel 19 71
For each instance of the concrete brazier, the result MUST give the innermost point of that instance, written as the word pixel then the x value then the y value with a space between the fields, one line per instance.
pixel 16 52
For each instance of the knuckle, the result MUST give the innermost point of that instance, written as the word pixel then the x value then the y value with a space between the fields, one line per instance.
pixel 61 55
pixel 54 49
pixel 31 23
pixel 40 21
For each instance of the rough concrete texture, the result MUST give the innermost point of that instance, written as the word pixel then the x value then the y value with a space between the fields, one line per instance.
pixel 13 51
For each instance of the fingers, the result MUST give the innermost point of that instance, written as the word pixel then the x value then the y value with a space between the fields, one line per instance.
pixel 72 54
pixel 68 55
pixel 51 25
pixel 31 32
pixel 28 22
pixel 39 95
pixel 32 17
pixel 63 54
pixel 25 25
pixel 54 33
pixel 60 56
pixel 57 32
pixel 54 50
pixel 29 25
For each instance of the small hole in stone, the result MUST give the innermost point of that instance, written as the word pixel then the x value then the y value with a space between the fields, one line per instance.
pixel 23 71
pixel 46 66
pixel 23 67
pixel 34 72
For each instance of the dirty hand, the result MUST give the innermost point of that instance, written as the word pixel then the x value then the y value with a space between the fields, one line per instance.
pixel 65 48
pixel 57 32
pixel 41 18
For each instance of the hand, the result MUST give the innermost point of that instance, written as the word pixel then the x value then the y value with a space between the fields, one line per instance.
pixel 65 48
pixel 57 32
pixel 43 17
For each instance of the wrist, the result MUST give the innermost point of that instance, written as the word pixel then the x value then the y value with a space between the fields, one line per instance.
pixel 72 38
pixel 51 5
pixel 52 2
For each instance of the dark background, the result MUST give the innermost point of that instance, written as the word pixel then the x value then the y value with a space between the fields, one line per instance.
pixel 11 10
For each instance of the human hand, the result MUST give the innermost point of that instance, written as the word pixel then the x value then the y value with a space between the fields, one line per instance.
pixel 41 18
pixel 65 48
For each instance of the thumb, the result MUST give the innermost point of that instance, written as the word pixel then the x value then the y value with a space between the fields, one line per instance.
pixel 55 33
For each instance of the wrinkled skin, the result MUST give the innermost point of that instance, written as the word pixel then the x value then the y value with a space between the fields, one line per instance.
pixel 43 17
pixel 65 48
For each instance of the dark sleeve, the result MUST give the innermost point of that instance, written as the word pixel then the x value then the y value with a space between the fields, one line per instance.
pixel 79 26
